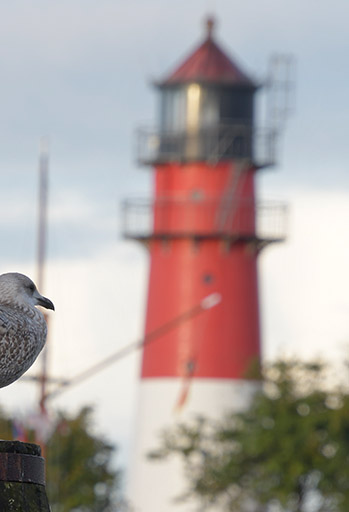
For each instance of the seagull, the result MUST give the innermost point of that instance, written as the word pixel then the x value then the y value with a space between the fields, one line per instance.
pixel 23 328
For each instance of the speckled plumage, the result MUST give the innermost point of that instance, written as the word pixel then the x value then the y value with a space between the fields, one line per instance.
pixel 23 328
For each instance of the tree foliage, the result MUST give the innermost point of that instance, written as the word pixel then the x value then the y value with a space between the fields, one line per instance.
pixel 288 451
pixel 79 476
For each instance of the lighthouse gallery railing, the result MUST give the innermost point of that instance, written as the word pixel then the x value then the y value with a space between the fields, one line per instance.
pixel 209 144
pixel 144 218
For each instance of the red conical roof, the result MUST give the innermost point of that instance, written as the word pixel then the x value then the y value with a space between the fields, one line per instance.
pixel 208 64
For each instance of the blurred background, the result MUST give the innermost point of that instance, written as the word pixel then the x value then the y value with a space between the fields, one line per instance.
pixel 79 73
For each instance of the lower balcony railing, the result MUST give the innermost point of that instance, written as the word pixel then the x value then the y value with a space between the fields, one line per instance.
pixel 144 219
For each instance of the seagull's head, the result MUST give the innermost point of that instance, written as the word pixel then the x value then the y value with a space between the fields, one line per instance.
pixel 18 289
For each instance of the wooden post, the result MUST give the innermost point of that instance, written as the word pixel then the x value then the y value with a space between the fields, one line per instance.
pixel 22 478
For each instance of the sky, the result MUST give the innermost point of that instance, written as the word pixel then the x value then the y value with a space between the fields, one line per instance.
pixel 80 73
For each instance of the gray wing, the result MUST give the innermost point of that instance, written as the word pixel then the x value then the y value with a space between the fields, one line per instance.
pixel 12 324
pixel 6 321
pixel 19 346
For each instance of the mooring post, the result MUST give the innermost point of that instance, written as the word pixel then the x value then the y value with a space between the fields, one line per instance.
pixel 22 478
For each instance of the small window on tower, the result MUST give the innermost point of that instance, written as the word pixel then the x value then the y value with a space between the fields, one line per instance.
pixel 207 278
pixel 197 194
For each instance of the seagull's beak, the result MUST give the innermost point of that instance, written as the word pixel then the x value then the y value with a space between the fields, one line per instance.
pixel 43 301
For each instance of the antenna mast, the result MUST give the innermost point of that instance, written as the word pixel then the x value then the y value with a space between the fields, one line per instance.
pixel 41 249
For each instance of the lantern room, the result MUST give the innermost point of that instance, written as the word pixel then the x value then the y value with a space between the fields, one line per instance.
pixel 206 111
pixel 204 100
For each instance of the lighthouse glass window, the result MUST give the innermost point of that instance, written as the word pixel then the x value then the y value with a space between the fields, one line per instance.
pixel 202 108
pixel 209 115
pixel 188 108
pixel 188 121
pixel 172 112
pixel 236 106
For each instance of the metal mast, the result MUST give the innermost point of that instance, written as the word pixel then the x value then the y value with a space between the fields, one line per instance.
pixel 41 249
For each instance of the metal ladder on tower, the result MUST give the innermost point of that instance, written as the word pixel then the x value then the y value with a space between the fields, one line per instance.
pixel 228 205
pixel 220 147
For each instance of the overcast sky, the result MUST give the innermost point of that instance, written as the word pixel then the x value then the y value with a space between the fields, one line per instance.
pixel 79 71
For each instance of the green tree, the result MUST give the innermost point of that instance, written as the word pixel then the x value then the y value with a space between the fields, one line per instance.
pixel 79 476
pixel 288 451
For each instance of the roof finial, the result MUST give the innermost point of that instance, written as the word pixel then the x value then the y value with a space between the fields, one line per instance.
pixel 210 23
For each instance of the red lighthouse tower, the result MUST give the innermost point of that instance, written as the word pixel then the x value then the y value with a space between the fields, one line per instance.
pixel 204 230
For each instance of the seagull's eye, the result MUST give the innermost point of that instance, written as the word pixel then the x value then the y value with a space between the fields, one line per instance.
pixel 31 287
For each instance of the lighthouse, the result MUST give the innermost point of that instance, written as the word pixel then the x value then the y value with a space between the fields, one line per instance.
pixel 204 230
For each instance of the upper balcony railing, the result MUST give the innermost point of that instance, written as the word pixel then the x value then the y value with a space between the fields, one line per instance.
pixel 234 141
pixel 169 218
